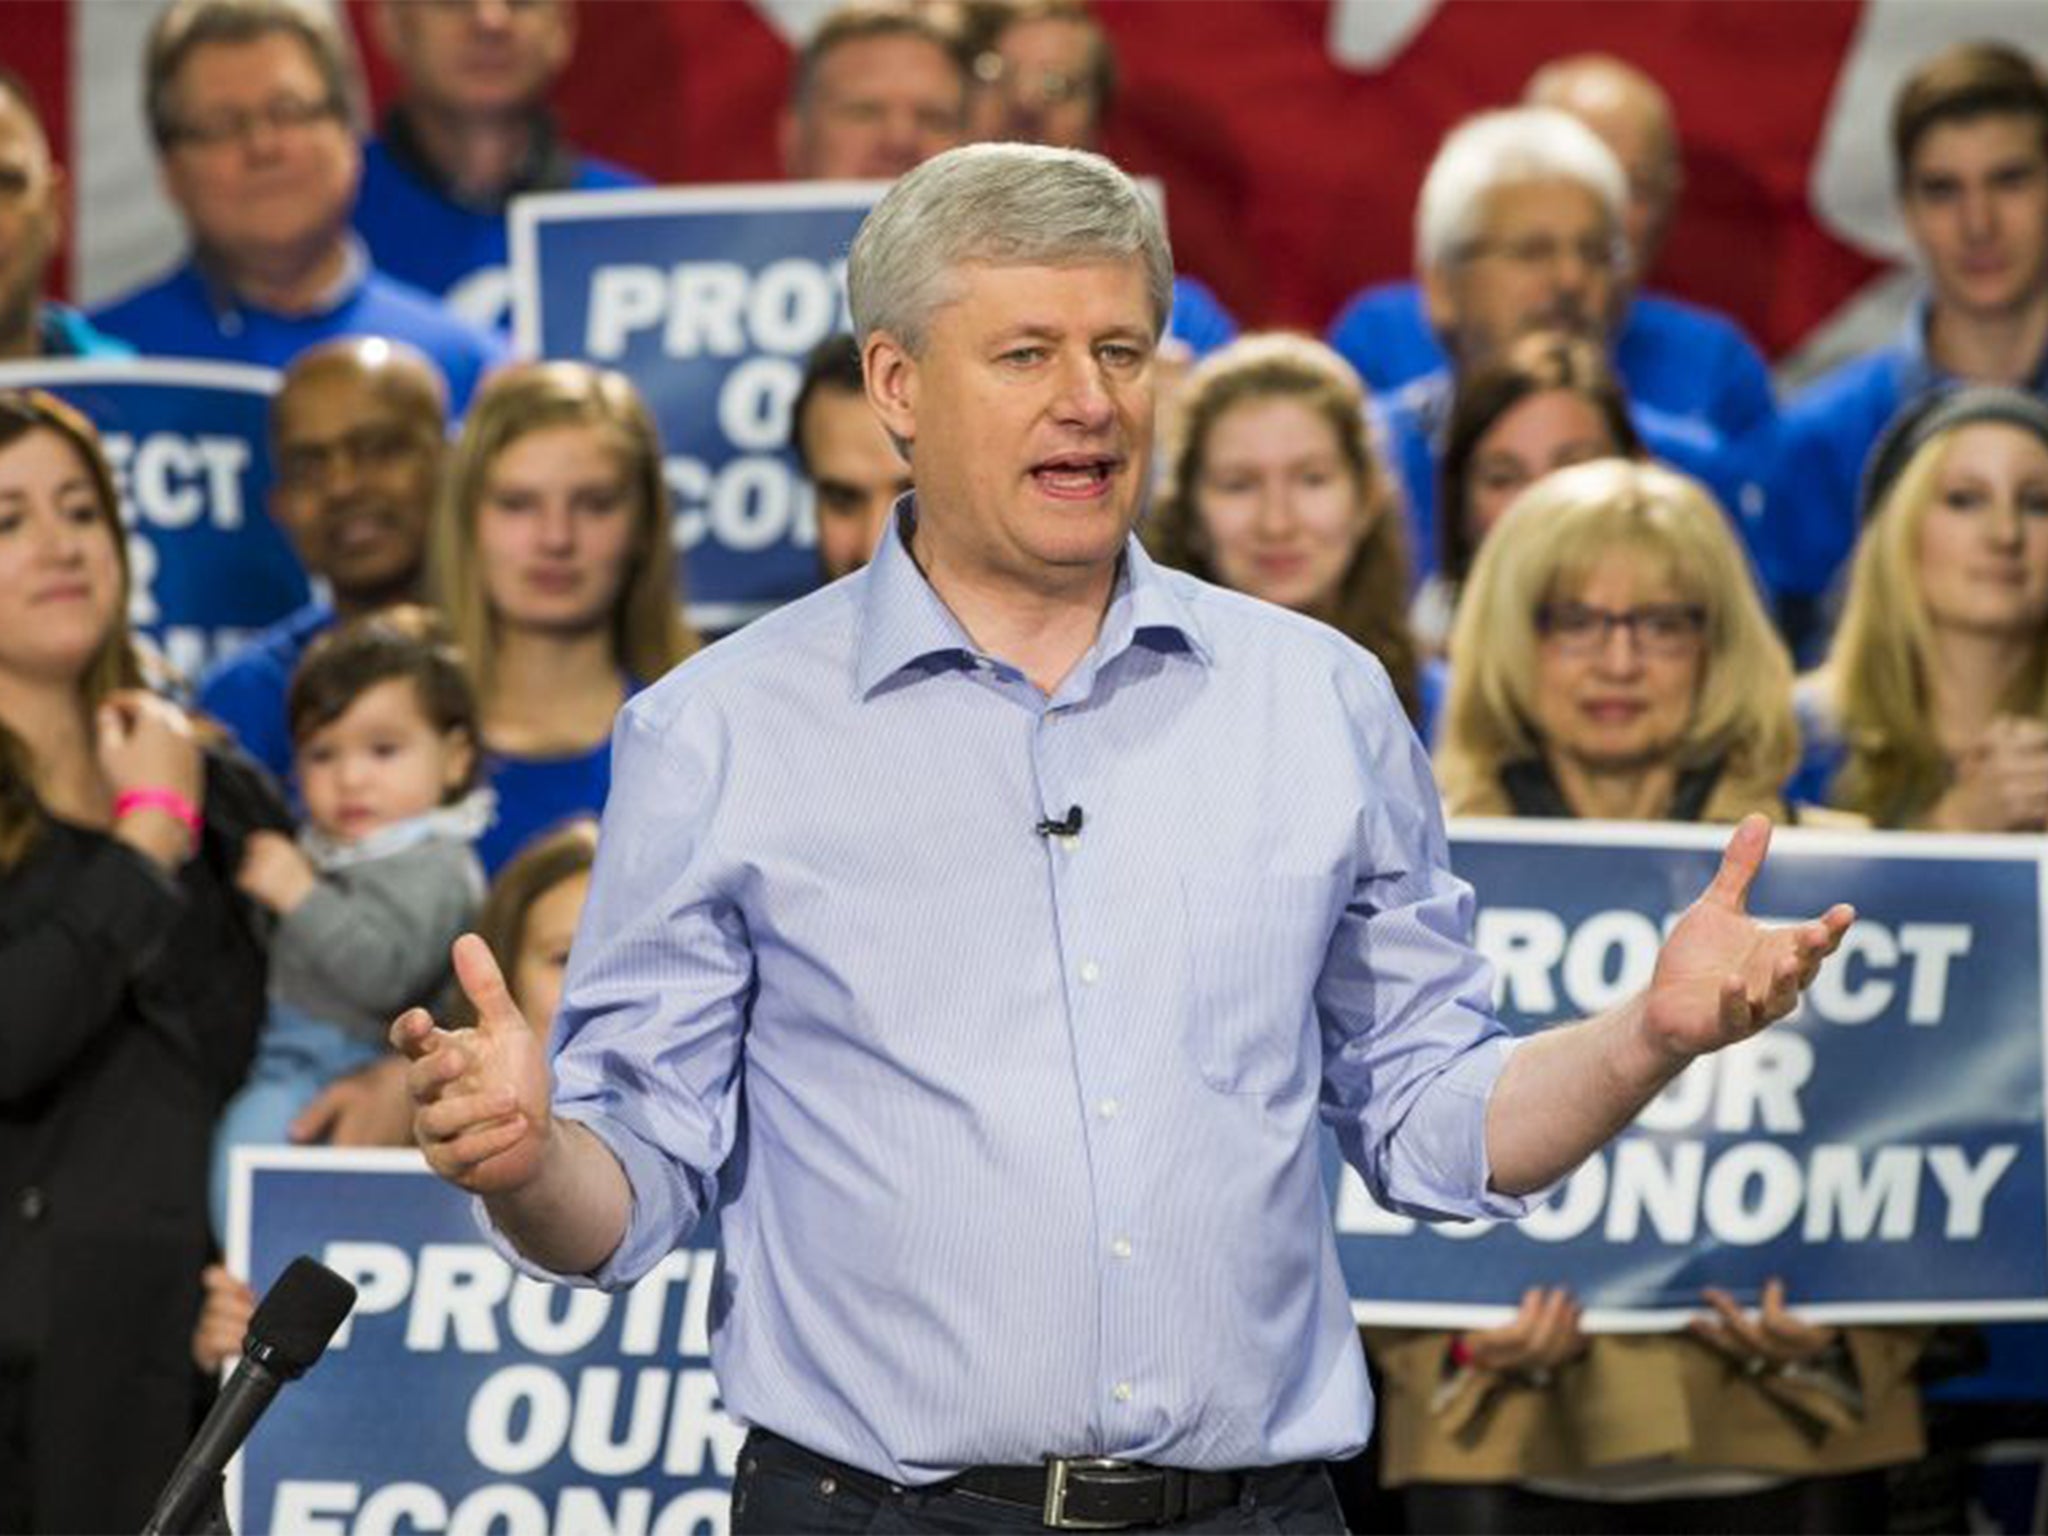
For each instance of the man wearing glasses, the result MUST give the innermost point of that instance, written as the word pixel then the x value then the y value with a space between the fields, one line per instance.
pixel 1521 228
pixel 250 103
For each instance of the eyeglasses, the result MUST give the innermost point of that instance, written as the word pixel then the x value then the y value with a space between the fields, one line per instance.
pixel 1533 252
pixel 281 114
pixel 307 465
pixel 1038 87
pixel 1656 629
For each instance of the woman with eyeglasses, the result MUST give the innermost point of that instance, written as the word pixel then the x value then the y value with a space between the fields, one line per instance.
pixel 131 988
pixel 1612 659
pixel 1932 708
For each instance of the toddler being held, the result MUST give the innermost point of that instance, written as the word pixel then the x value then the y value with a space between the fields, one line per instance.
pixel 382 877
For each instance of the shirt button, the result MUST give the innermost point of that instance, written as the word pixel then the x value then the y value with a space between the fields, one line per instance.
pixel 1090 972
pixel 1121 1247
pixel 1108 1108
pixel 1122 1392
pixel 30 1204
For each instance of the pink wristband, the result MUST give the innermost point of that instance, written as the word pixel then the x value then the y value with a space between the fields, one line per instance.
pixel 155 797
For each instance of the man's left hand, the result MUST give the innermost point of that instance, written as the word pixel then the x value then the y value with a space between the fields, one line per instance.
pixel 1722 975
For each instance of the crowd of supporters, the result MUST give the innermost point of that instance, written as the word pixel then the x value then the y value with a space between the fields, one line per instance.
pixel 1609 572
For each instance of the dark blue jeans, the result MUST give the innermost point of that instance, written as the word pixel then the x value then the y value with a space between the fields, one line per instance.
pixel 783 1488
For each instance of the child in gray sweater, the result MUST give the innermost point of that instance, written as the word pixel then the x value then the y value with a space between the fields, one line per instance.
pixel 381 879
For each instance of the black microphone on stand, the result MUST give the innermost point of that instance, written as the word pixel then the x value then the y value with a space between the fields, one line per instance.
pixel 286 1336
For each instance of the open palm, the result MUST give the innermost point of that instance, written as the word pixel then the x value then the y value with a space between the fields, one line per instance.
pixel 1722 975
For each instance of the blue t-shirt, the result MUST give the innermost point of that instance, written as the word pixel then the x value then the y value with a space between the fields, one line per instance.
pixel 1674 357
pixel 421 233
pixel 539 793
pixel 185 315
pixel 246 691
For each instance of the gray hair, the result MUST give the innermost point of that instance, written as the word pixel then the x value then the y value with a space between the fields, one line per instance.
pixel 1006 205
pixel 187 25
pixel 1507 148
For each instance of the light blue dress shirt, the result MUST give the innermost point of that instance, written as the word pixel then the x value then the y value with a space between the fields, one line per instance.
pixel 1013 1137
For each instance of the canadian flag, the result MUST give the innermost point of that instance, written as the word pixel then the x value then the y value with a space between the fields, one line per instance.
pixel 1291 135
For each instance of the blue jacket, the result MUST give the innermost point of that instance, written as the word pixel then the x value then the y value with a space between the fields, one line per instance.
pixel 1827 432
pixel 421 233
pixel 184 314
pixel 1679 358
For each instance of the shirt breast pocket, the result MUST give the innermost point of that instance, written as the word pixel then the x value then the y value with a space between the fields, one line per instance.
pixel 1254 949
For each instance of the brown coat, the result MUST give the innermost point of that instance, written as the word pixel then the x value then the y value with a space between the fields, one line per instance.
pixel 1634 1397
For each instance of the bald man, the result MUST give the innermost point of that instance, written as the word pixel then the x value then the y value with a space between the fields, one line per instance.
pixel 1688 363
pixel 31 225
pixel 357 433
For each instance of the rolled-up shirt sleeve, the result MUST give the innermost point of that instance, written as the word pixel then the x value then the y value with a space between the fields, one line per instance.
pixel 1411 1044
pixel 646 1050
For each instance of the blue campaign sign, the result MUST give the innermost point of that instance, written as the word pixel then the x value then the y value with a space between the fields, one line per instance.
pixel 460 1396
pixel 1882 1151
pixel 708 299
pixel 189 446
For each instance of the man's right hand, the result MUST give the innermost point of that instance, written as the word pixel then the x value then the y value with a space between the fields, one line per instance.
pixel 479 1096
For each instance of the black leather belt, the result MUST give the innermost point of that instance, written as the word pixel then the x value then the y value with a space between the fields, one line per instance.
pixel 1093 1493
pixel 1071 1493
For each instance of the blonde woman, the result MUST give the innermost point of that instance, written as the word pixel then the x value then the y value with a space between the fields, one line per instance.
pixel 552 557
pixel 1611 659
pixel 1932 708
pixel 1274 491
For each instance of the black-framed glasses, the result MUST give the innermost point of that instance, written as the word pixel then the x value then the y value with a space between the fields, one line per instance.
pixel 280 114
pixel 1657 629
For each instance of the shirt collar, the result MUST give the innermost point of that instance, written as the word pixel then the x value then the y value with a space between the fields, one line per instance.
pixel 228 306
pixel 1915 367
pixel 904 624
pixel 547 167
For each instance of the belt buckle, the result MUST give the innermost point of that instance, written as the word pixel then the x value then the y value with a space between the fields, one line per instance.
pixel 1055 1512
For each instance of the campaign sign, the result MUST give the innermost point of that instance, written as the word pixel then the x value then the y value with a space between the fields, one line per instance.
pixel 190 450
pixel 460 1396
pixel 1881 1151
pixel 708 299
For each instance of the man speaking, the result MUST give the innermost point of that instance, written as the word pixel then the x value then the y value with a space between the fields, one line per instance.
pixel 982 937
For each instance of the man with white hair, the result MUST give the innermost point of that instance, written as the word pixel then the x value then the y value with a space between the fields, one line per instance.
pixel 900 956
pixel 1520 228
pixel 1678 358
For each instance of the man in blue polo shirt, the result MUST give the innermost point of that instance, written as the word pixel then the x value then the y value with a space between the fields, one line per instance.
pixel 31 221
pixel 249 104
pixel 1519 229
pixel 357 435
pixel 1969 137
pixel 470 131
pixel 1675 357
